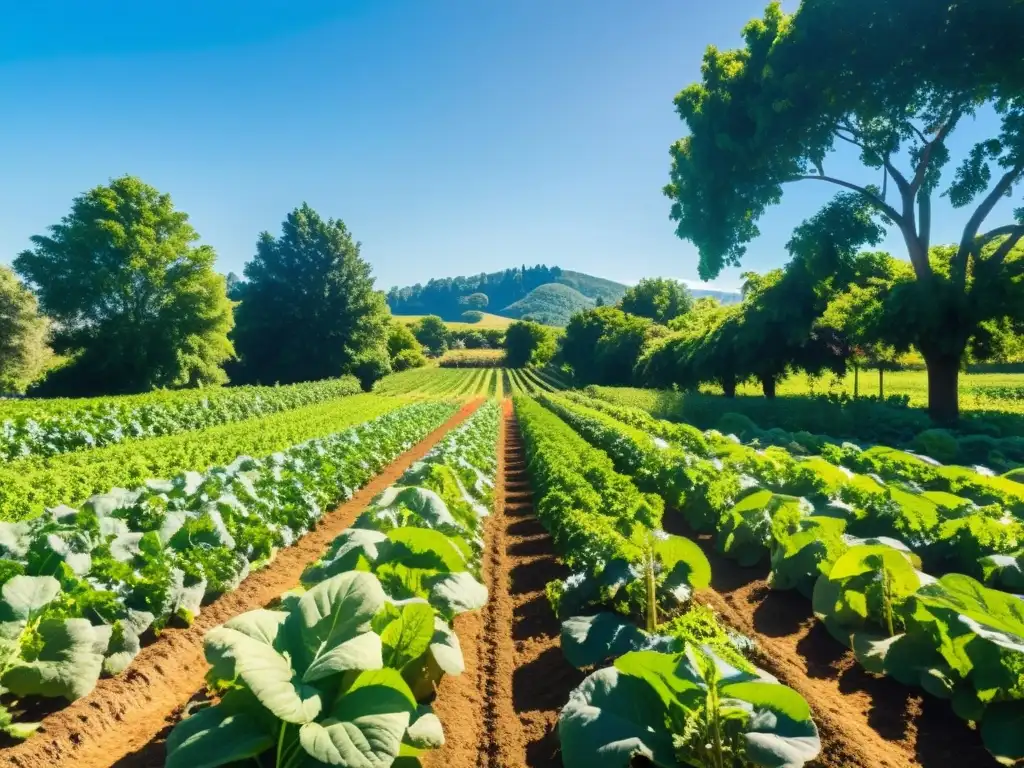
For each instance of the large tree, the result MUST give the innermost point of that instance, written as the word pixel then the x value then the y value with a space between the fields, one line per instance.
pixel 890 82
pixel 135 300
pixel 24 335
pixel 657 298
pixel 308 307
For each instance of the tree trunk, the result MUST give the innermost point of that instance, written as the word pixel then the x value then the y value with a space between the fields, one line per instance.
pixel 881 383
pixel 768 387
pixel 943 388
pixel 856 381
pixel 729 387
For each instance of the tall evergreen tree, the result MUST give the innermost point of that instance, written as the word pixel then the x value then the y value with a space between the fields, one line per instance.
pixel 308 307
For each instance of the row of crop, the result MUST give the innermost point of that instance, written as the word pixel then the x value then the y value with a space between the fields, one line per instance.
pixel 435 382
pixel 82 586
pixel 36 483
pixel 50 429
pixel 978 531
pixel 678 689
pixel 342 671
pixel 951 636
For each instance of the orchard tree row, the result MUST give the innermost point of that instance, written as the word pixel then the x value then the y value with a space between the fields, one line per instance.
pixel 125 297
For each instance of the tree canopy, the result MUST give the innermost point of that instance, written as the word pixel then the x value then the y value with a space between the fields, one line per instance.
pixel 890 82
pixel 308 306
pixel 136 303
pixel 528 343
pixel 24 335
pixel 657 298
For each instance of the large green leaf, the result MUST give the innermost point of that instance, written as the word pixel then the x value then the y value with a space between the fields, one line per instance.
pixel 781 733
pixel 25 596
pixel 611 719
pixel 366 725
pixel 425 731
pixel 348 549
pixel 427 504
pixel 408 636
pixel 1002 731
pixel 455 593
pixel 590 640
pixel 684 561
pixel 324 633
pixel 426 548
pixel 216 736
pixel 244 649
pixel 68 664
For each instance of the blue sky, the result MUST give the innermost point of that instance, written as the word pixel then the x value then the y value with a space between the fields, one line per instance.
pixel 452 136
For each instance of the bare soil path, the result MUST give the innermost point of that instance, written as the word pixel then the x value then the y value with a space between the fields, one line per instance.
pixel 121 720
pixel 503 711
pixel 865 721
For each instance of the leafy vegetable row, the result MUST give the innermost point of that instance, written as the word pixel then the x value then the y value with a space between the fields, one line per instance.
pixel 81 587
pixel 789 502
pixel 342 671
pixel 679 691
pixel 950 636
pixel 52 429
pixel 30 485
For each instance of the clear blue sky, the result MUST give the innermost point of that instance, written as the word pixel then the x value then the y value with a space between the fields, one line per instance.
pixel 452 136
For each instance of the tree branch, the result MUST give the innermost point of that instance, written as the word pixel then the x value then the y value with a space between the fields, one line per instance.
pixel 901 181
pixel 1012 232
pixel 883 206
pixel 926 154
pixel 959 265
pixel 924 215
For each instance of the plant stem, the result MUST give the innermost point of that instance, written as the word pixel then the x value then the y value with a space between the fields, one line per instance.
pixel 652 598
pixel 887 602
pixel 280 744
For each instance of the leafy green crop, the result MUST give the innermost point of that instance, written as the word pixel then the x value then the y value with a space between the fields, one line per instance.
pixel 684 709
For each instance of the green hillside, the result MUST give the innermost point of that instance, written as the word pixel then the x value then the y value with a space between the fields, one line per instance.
pixel 551 304
pixel 593 287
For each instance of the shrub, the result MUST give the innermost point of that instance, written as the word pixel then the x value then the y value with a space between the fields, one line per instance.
pixel 408 358
pixel 472 316
pixel 474 340
pixel 937 443
pixel 737 424
pixel 371 365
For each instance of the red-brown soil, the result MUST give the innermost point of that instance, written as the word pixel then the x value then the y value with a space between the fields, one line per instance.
pixel 123 717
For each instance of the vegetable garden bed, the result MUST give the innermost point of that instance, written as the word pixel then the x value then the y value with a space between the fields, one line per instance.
pixel 123 713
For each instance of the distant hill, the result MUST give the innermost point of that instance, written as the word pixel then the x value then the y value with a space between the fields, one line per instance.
pixel 551 304
pixel 726 297
pixel 548 295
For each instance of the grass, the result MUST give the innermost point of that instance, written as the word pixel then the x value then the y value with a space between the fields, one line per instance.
pixel 489 321
pixel 978 391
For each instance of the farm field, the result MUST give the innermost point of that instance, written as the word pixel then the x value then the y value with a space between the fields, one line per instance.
pixel 489 321
pixel 566 553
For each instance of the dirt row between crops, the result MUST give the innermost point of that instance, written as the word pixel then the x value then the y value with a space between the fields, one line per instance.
pixel 124 714
pixel 503 711
pixel 865 721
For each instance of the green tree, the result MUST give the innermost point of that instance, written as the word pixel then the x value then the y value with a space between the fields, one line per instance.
pixel 528 343
pixel 602 345
pixel 477 301
pixel 135 301
pixel 24 335
pixel 772 113
pixel 433 334
pixel 658 299
pixel 308 309
pixel 400 338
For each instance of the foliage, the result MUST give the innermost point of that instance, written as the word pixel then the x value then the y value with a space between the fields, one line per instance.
pixel 657 298
pixel 773 112
pixel 471 316
pixel 602 345
pixel 477 301
pixel 688 708
pixel 370 366
pixel 432 333
pixel 127 561
pixel 550 304
pixel 24 336
pixel 134 300
pixel 51 428
pixel 30 485
pixel 308 309
pixel 528 343
pixel 408 358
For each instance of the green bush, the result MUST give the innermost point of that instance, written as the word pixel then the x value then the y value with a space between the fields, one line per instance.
pixel 937 443
pixel 472 316
pixel 408 358
pixel 737 424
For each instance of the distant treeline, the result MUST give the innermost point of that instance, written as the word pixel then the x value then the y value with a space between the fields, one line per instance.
pixel 446 297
